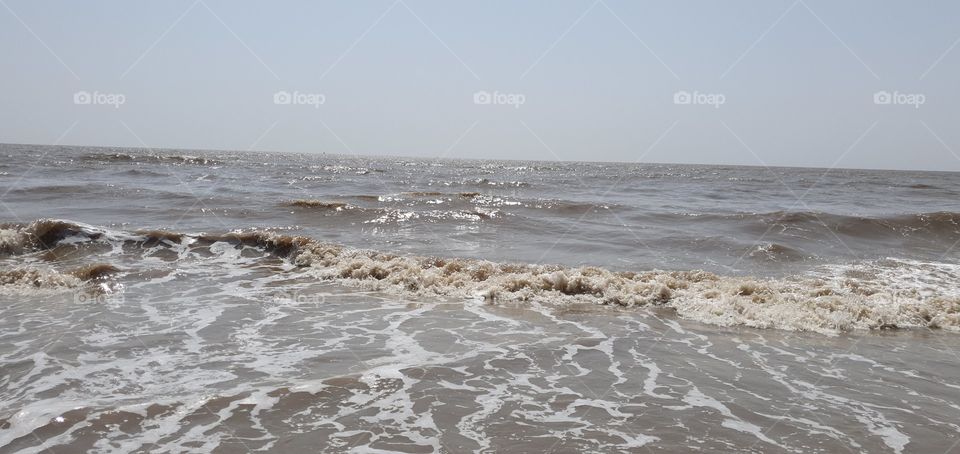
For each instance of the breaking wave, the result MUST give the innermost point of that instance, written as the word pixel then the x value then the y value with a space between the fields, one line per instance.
pixel 32 277
pixel 875 295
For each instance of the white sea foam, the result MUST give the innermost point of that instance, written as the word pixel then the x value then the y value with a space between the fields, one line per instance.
pixel 803 303
pixel 872 295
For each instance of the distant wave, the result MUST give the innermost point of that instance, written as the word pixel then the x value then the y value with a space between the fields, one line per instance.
pixel 158 158
pixel 481 183
pixel 406 206
pixel 938 222
pixel 935 222
pixel 456 200
pixel 313 203
pixel 467 195
pixel 385 215
pixel 51 189
pixel 399 216
pixel 144 173
pixel 886 294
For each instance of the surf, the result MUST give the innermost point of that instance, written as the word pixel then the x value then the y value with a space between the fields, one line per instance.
pixel 865 296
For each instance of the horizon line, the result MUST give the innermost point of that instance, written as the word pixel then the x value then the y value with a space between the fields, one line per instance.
pixel 448 158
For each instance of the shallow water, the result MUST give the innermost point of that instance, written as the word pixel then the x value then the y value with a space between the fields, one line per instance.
pixel 226 343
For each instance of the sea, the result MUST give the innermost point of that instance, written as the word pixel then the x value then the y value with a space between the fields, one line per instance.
pixel 159 300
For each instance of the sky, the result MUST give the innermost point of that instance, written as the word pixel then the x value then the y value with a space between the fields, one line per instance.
pixel 862 84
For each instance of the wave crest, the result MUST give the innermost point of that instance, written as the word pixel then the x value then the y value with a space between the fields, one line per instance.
pixel 32 277
pixel 313 203
pixel 938 222
pixel 151 158
pixel 827 303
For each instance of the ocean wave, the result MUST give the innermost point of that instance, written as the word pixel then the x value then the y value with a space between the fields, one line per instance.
pixel 383 215
pixel 466 195
pixel 22 278
pixel 13 241
pixel 143 173
pixel 33 277
pixel 480 183
pixel 478 201
pixel 936 223
pixel 342 169
pixel 569 207
pixel 367 197
pixel 157 158
pixel 839 300
pixel 320 204
pixel 51 189
pixel 42 234
pixel 400 216
pixel 775 252
pixel 933 221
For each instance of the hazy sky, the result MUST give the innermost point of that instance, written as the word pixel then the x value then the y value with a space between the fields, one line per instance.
pixel 770 82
